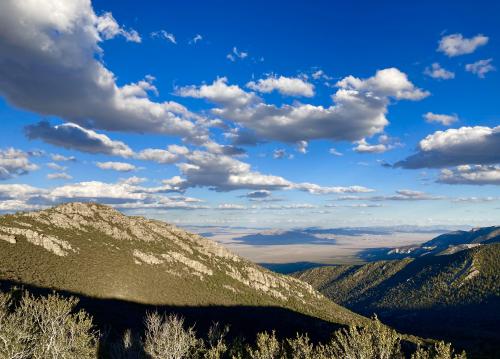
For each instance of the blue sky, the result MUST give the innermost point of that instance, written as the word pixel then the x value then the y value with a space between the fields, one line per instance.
pixel 254 113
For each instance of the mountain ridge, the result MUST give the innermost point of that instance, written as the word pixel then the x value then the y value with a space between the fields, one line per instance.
pixel 97 251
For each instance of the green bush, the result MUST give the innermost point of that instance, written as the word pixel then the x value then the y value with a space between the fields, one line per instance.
pixel 44 328
pixel 50 328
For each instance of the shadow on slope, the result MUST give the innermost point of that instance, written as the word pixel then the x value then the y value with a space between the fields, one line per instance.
pixel 244 321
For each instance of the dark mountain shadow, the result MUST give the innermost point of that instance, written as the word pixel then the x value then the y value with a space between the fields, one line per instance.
pixel 287 268
pixel 283 238
pixel 472 327
pixel 243 321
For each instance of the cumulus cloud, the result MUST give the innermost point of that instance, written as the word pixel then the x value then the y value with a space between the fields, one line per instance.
pixel 19 191
pixel 453 147
pixel 456 44
pixel 288 86
pixel 165 35
pixel 51 64
pixel 359 110
pixel 73 136
pixel 437 72
pixel 116 166
pixel 224 173
pixel 172 154
pixel 480 68
pixel 388 82
pixel 472 175
pixel 364 147
pixel 385 143
pixel 219 92
pixel 445 120
pixel 14 162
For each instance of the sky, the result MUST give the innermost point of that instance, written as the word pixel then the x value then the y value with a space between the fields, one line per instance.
pixel 253 113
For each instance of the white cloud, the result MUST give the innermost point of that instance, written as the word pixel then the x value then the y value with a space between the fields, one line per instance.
pixel 302 147
pixel 223 173
pixel 72 136
pixel 116 166
pixel 220 93
pixel 289 86
pixel 195 39
pixel 281 153
pixel 480 68
pixel 60 158
pixel 320 75
pixel 334 152
pixel 445 120
pixel 385 143
pixel 455 44
pixel 172 154
pixel 236 54
pixel 400 195
pixel 163 34
pixel 19 192
pixel 364 147
pixel 14 162
pixel 56 167
pixel 465 145
pixel 51 64
pixel 389 82
pixel 109 28
pixel 437 72
pixel 231 206
pixel 472 175
pixel 316 189
pixel 359 110
pixel 125 194
pixel 61 175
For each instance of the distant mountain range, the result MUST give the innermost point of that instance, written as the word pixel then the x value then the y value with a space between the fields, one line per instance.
pixel 447 288
pixel 111 260
pixel 447 243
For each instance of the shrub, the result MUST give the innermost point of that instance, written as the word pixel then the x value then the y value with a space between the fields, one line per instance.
pixel 440 350
pixel 267 347
pixel 373 341
pixel 166 337
pixel 45 328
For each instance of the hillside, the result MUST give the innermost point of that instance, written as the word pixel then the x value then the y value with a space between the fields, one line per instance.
pixel 454 297
pixel 109 259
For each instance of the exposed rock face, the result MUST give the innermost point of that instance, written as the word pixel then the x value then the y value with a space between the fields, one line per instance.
pixel 50 243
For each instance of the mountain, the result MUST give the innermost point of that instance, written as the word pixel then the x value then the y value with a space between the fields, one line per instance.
pixel 122 266
pixel 447 243
pixel 455 297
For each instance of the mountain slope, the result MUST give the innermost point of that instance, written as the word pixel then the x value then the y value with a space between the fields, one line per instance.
pixel 454 297
pixel 97 252
pixel 447 243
